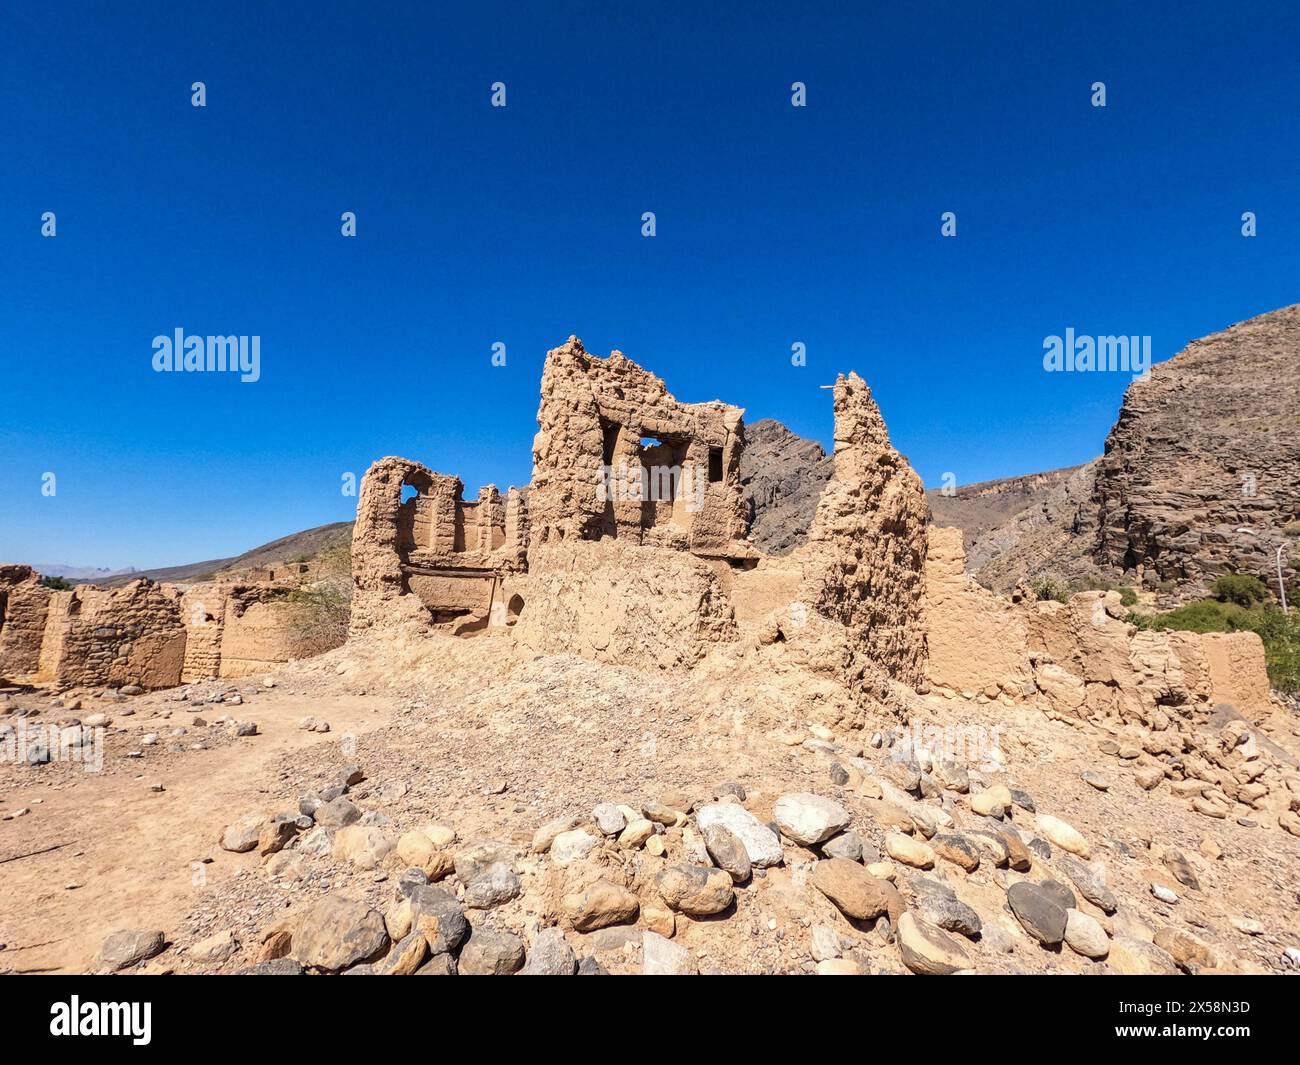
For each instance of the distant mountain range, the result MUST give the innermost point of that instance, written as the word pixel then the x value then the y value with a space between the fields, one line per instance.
pixel 79 574
pixel 295 547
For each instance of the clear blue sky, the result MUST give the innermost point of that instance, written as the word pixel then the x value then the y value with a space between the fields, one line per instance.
pixel 523 225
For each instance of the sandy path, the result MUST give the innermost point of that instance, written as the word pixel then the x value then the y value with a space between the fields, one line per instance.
pixel 135 853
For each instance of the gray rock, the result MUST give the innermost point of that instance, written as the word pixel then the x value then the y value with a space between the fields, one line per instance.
pixel 1089 882
pixel 444 920
pixel 589 966
pixel 129 946
pixel 1176 862
pixel 939 905
pixel 551 955
pixel 409 880
pixel 825 943
pixel 438 965
pixel 477 857
pixel 762 846
pixel 491 953
pixel 727 852
pixel 845 845
pixel 497 884
pixel 609 819
pixel 1041 847
pixel 1060 894
pixel 337 813
pixel 275 967
pixel 1038 912
pixel 809 819
pixel 663 957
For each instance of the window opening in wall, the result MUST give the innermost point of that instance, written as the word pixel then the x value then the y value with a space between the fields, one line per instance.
pixel 715 465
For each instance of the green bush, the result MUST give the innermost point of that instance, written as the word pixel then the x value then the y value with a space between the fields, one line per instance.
pixel 59 584
pixel 320 614
pixel 1127 596
pixel 1050 588
pixel 1239 588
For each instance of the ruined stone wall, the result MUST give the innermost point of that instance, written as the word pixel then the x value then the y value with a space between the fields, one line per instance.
pixel 203 610
pixel 865 555
pixel 381 537
pixel 24 608
pixel 130 635
pixel 593 416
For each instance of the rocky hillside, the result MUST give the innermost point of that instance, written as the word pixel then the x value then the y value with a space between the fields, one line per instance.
pixel 783 476
pixel 1200 476
pixel 1202 470
pixel 296 547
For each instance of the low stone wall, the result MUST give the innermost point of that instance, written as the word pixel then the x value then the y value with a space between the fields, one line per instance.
pixel 147 634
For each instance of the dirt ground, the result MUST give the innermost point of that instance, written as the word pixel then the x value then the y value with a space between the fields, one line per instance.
pixel 466 734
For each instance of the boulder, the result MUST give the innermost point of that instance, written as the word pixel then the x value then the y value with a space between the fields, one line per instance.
pixel 809 819
pixel 694 890
pixel 336 933
pixel 929 951
pixel 761 844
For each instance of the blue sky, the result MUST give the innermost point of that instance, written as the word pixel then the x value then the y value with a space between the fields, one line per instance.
pixel 522 225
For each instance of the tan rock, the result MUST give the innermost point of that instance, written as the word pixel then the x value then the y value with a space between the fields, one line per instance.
pixel 856 892
pixel 909 851
pixel 1063 835
pixel 929 951
pixel 1133 957
pixel 601 905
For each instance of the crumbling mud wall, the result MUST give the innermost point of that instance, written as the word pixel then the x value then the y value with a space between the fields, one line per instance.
pixel 864 561
pixel 129 635
pixel 643 607
pixel 1179 706
pixel 24 610
pixel 435 558
pixel 617 456
pixel 146 634
pixel 976 641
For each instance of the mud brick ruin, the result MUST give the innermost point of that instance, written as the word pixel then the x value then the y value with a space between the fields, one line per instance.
pixel 630 543
pixel 144 634
pixel 870 613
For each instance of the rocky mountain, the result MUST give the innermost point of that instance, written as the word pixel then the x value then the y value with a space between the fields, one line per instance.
pixel 783 476
pixel 1200 476
pixel 80 574
pixel 1201 473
